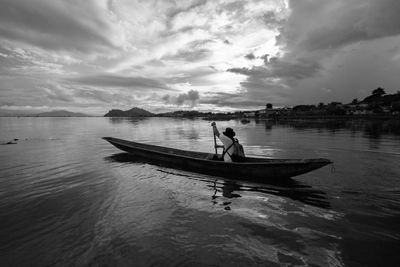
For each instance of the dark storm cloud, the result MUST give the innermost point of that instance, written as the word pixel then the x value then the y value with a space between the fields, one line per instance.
pixel 341 24
pixel 259 88
pixel 270 83
pixel 112 80
pixel 55 25
pixel 315 40
pixel 299 69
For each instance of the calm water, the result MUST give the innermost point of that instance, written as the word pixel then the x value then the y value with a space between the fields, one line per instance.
pixel 68 198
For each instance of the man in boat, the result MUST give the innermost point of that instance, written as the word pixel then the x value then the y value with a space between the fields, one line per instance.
pixel 233 151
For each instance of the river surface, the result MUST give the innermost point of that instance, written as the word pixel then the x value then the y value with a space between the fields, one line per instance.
pixel 68 198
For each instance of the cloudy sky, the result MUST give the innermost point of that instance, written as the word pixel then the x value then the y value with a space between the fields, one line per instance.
pixel 212 55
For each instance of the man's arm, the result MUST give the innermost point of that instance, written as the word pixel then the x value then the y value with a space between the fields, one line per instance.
pixel 216 132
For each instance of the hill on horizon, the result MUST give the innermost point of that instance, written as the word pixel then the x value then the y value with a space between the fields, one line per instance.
pixel 381 98
pixel 133 112
pixel 61 113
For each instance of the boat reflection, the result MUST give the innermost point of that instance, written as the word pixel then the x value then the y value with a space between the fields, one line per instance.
pixel 230 189
pixel 289 188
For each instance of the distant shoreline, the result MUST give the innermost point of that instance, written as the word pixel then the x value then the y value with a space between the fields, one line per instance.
pixel 229 117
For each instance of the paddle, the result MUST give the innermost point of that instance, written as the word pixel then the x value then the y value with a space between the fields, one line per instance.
pixel 215 140
pixel 215 143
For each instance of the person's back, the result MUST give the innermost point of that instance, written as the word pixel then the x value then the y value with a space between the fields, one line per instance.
pixel 229 149
pixel 233 151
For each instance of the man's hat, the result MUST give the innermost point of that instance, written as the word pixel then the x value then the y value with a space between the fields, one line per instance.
pixel 229 132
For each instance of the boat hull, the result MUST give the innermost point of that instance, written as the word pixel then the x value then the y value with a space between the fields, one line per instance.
pixel 254 169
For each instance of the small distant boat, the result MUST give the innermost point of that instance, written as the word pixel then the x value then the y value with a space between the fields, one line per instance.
pixel 252 169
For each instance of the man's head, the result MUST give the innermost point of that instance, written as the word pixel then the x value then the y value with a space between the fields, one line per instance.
pixel 229 132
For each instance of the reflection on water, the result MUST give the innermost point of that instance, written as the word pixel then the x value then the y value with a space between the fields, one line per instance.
pixel 133 120
pixel 189 134
pixel 373 129
pixel 289 188
pixel 63 204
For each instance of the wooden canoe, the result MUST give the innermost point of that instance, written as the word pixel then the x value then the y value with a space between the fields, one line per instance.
pixel 253 169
